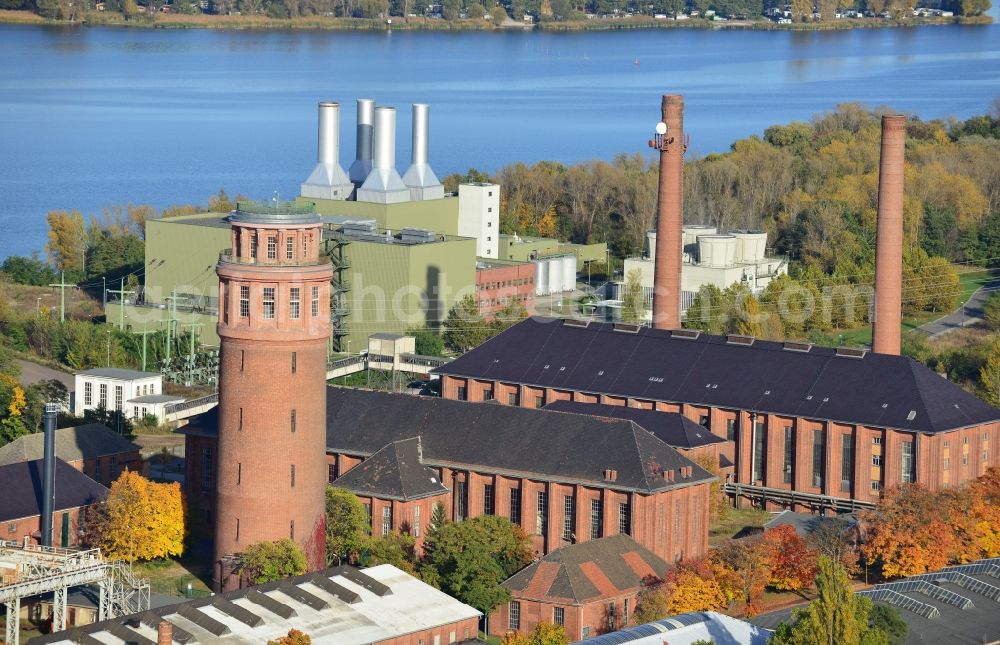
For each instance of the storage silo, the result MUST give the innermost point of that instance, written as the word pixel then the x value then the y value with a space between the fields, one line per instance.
pixel 555 275
pixel 569 273
pixel 541 278
pixel 750 246
pixel 716 250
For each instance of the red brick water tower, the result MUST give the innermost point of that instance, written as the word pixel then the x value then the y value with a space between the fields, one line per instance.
pixel 274 302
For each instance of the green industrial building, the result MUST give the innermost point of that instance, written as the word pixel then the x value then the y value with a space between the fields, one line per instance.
pixel 524 249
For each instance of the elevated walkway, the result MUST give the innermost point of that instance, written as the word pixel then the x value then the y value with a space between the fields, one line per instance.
pixel 28 570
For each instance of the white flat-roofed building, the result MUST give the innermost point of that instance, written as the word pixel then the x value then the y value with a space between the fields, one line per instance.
pixel 113 388
pixel 340 606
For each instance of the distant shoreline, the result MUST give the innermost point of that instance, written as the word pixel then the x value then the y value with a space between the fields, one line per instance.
pixel 264 23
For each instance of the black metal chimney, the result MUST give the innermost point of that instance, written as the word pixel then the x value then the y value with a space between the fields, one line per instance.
pixel 49 472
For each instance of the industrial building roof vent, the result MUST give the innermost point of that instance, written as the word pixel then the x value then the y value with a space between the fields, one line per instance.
pixel 686 334
pixel 420 179
pixel 328 180
pixel 737 339
pixel 850 352
pixel 383 184
pixel 361 227
pixel 797 347
pixel 627 328
pixel 573 322
pixel 417 235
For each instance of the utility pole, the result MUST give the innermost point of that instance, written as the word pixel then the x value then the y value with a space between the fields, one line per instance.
pixel 145 334
pixel 121 303
pixel 171 318
pixel 193 326
pixel 62 294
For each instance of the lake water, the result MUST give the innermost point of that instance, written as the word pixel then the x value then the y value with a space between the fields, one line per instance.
pixel 95 117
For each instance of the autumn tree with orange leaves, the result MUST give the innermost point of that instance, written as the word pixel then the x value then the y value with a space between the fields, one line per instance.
pixel 913 530
pixel 792 564
pixel 699 585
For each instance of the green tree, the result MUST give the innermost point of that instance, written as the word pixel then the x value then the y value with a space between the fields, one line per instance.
pixel 469 560
pixel 397 549
pixel 465 328
pixel 428 341
pixel 28 270
pixel 836 617
pixel 111 254
pixel 989 374
pixel 707 310
pixel 633 298
pixel 653 602
pixel 510 315
pixel 991 310
pixel 347 526
pixel 887 619
pixel 269 561
pixel 749 317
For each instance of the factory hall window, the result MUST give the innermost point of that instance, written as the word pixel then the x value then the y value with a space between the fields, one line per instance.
pixel 289 248
pixel 103 400
pixel 386 520
pixel 88 393
pixel 731 429
pixel 416 521
pixel 569 516
pixel 846 462
pixel 460 393
pixel 460 501
pixel 512 398
pixel 819 455
pixel 515 505
pixel 786 466
pixel 558 616
pixel 488 505
pixel 314 307
pixel 331 472
pixel 596 518
pixel 206 470
pixel 294 302
pixel 514 617
pixel 269 302
pixel 760 451
pixel 272 247
pixel 907 465
pixel 542 513
pixel 244 301
pixel 624 518
pixel 118 397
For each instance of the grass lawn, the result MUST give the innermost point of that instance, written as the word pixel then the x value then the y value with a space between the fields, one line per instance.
pixel 492 640
pixel 172 577
pixel 735 521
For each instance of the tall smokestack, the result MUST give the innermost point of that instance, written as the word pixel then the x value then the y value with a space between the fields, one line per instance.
pixel 328 180
pixel 49 472
pixel 362 165
pixel 889 241
pixel 421 180
pixel 669 214
pixel 384 185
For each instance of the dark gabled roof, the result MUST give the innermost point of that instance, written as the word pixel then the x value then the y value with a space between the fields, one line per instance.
pixel 505 439
pixel 878 390
pixel 588 570
pixel 394 472
pixel 21 484
pixel 671 428
pixel 88 441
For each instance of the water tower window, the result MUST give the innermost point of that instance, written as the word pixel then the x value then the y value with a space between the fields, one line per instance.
pixel 269 303
pixel 289 248
pixel 315 302
pixel 244 301
pixel 272 247
pixel 295 298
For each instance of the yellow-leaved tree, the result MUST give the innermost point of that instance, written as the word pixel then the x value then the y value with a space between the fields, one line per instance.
pixel 141 519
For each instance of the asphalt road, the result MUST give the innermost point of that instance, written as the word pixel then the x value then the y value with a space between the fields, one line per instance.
pixel 970 313
pixel 33 372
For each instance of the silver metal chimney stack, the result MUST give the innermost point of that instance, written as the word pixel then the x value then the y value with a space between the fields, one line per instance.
pixel 384 185
pixel 420 178
pixel 49 472
pixel 328 180
pixel 362 166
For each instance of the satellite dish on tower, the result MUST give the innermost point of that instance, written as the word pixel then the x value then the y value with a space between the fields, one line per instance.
pixel 661 128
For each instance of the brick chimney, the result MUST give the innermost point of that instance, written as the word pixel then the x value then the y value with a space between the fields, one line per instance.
pixel 164 633
pixel 669 215
pixel 889 248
